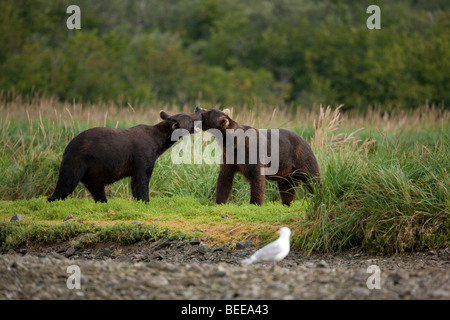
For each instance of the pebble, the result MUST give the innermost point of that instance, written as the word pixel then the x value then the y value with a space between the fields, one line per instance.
pixel 106 252
pixel 69 252
pixel 68 217
pixel 204 248
pixel 16 217
pixel 243 245
pixel 322 264
pixel 194 242
pixel 159 281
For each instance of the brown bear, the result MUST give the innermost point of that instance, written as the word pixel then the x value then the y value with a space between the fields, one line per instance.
pixel 101 156
pixel 296 160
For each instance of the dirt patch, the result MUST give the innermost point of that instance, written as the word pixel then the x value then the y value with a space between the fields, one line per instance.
pixel 193 269
pixel 214 233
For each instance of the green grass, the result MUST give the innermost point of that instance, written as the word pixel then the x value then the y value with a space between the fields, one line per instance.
pixel 178 217
pixel 33 233
pixel 163 209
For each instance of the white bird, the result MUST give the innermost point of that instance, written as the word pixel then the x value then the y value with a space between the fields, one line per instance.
pixel 274 251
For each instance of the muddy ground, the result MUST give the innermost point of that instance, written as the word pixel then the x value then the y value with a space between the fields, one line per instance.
pixel 192 270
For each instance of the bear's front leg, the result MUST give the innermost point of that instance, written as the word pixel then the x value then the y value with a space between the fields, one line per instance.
pixel 140 180
pixel 224 183
pixel 257 189
pixel 141 187
pixel 287 191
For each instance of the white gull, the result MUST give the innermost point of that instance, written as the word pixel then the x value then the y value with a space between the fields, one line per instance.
pixel 274 251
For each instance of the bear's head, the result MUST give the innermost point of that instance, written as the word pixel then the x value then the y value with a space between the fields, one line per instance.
pixel 215 119
pixel 181 121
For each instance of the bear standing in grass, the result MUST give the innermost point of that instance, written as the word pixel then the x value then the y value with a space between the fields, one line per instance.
pixel 101 156
pixel 296 160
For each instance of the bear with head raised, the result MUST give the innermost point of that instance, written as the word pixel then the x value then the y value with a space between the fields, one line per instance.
pixel 101 156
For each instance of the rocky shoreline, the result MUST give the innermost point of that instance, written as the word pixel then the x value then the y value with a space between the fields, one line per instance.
pixel 182 270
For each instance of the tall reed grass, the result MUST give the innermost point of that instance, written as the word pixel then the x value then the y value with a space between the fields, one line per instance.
pixel 387 195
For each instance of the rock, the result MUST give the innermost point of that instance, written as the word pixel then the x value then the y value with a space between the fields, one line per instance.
pixel 159 281
pixel 16 217
pixel 17 265
pixel 243 245
pixel 194 242
pixel 69 252
pixel 61 249
pixel 68 217
pixel 220 271
pixel 225 216
pixel 156 256
pixel 56 256
pixel 106 252
pixel 121 258
pixel 138 257
pixel 203 248
pixel 440 294
pixel 160 245
pixel 322 264
pixel 221 248
pixel 360 292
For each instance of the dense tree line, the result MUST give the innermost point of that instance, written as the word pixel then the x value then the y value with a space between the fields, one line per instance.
pixel 229 51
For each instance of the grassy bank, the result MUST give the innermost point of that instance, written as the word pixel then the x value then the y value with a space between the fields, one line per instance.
pixel 386 181
pixel 124 221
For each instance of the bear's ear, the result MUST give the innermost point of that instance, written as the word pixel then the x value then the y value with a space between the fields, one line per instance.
pixel 175 125
pixel 227 112
pixel 223 122
pixel 163 115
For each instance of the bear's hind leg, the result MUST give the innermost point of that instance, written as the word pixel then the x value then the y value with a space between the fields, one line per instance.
pixel 287 191
pixel 133 187
pixel 68 180
pixel 97 192
pixel 224 184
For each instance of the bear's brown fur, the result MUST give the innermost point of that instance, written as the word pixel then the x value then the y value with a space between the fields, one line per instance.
pixel 296 161
pixel 101 156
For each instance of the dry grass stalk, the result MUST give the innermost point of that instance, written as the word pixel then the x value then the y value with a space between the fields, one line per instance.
pixel 328 122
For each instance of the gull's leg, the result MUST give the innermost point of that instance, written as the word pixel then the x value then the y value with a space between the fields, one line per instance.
pixel 273 265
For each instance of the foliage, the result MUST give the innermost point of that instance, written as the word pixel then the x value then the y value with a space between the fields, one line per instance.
pixel 228 52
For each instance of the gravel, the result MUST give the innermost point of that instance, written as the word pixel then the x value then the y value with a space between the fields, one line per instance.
pixel 193 270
